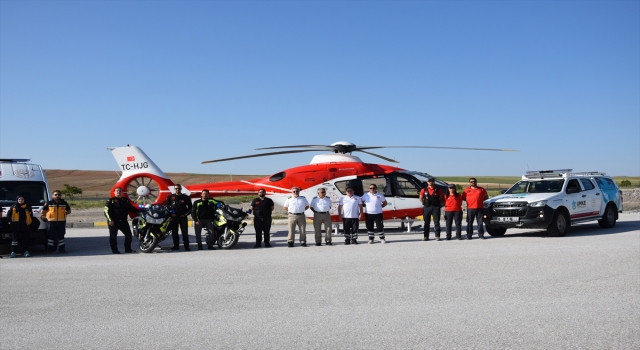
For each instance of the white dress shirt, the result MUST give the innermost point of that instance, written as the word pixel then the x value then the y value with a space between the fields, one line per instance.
pixel 296 204
pixel 321 204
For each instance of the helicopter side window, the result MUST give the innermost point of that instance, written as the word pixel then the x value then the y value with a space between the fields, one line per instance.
pixel 356 184
pixel 382 183
pixel 406 186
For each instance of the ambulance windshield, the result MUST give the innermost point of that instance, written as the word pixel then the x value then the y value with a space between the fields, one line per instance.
pixel 34 193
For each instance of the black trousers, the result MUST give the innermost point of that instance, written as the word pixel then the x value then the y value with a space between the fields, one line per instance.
pixel 18 237
pixel 262 225
pixel 450 217
pixel 476 214
pixel 427 213
pixel 350 228
pixel 182 222
pixel 211 238
pixel 376 219
pixel 56 232
pixel 122 225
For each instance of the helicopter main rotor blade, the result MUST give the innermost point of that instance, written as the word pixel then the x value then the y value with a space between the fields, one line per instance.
pixel 379 156
pixel 258 155
pixel 300 146
pixel 437 147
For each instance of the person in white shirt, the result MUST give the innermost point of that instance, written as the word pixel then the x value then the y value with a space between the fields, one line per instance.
pixel 320 206
pixel 374 202
pixel 295 206
pixel 350 210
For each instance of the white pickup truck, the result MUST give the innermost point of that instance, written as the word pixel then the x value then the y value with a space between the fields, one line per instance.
pixel 553 200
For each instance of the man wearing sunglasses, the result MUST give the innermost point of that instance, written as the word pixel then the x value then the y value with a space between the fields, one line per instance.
pixel 295 206
pixel 350 210
pixel 475 197
pixel 55 213
pixel 374 202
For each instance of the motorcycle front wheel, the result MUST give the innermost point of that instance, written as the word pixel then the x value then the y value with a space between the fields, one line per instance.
pixel 148 243
pixel 228 243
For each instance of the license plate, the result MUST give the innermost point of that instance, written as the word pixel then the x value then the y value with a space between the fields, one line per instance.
pixel 6 236
pixel 508 219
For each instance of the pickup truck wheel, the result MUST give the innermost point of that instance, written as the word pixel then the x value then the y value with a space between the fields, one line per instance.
pixel 609 218
pixel 559 225
pixel 496 231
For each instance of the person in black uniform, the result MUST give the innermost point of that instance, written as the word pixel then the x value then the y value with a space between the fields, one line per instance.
pixel 204 214
pixel 262 208
pixel 432 199
pixel 181 205
pixel 117 211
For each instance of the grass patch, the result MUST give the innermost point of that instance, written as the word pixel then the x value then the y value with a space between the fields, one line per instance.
pixel 85 204
pixel 482 179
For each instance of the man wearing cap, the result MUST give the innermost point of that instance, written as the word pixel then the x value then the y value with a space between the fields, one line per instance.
pixel 475 197
pixel 320 207
pixel 432 199
pixel 374 202
pixel 295 206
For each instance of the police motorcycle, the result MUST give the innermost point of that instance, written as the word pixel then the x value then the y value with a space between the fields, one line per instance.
pixel 152 226
pixel 228 226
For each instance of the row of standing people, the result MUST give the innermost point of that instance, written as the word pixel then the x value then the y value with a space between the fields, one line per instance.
pixel 433 200
pixel 352 208
pixel 22 222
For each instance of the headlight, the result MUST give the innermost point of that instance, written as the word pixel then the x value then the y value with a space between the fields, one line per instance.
pixel 538 204
pixel 486 204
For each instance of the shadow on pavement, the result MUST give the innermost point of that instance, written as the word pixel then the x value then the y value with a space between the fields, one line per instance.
pixel 579 230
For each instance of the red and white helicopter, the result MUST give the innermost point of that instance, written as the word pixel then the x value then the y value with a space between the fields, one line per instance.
pixel 143 182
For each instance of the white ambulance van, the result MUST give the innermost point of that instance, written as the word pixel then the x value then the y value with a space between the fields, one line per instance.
pixel 18 177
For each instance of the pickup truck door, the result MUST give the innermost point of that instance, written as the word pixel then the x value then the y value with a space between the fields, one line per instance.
pixel 576 202
pixel 593 196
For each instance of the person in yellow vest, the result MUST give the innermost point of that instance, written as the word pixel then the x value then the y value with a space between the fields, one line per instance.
pixel 21 216
pixel 55 212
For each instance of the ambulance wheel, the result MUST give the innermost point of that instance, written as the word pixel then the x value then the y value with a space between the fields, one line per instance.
pixel 496 231
pixel 609 218
pixel 559 224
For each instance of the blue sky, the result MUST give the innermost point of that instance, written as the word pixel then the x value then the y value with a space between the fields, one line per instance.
pixel 190 81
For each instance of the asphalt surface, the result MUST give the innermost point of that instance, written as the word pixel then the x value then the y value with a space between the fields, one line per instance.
pixel 522 290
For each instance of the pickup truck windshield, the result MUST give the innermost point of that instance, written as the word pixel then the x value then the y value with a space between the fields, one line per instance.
pixel 547 186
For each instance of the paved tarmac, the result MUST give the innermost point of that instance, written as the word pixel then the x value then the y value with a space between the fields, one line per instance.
pixel 519 291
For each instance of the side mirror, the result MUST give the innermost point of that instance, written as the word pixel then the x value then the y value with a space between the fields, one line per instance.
pixel 503 191
pixel 571 190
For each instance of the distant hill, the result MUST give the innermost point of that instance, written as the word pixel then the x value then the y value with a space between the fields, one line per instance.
pixel 97 184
